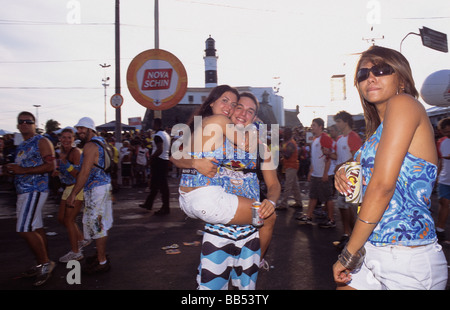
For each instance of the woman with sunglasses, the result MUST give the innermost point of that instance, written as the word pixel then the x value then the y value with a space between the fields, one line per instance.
pixel 393 244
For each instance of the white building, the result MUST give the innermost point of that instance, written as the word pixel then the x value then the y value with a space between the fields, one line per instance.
pixel 272 106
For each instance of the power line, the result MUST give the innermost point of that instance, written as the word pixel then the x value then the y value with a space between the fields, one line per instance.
pixel 45 61
pixel 47 23
pixel 46 87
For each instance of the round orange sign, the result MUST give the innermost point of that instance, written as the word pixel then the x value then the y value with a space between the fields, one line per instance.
pixel 157 79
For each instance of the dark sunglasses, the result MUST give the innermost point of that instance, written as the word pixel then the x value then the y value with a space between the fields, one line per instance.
pixel 378 70
pixel 25 121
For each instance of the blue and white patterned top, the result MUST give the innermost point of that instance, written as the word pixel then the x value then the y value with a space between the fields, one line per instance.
pixel 238 183
pixel 98 176
pixel 407 220
pixel 28 155
pixel 195 179
pixel 65 176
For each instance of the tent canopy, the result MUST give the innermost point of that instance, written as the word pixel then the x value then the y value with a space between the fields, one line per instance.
pixel 5 132
pixel 111 126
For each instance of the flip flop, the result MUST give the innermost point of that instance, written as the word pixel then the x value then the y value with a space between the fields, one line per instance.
pixel 193 243
pixel 173 246
pixel 173 251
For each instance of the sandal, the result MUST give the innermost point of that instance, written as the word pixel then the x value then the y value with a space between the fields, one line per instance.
pixel 193 243
pixel 173 251
pixel 173 246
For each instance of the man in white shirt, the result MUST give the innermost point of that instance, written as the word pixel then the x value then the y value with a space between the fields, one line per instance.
pixel 159 164
pixel 141 164
pixel 347 145
pixel 320 188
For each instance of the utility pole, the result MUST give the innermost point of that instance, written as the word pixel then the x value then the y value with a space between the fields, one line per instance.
pixel 157 113
pixel 118 128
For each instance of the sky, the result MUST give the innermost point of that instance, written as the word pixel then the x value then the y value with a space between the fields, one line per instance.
pixel 51 50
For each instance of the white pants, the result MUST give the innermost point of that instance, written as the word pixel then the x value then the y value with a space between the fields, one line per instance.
pixel 98 215
pixel 402 268
pixel 210 204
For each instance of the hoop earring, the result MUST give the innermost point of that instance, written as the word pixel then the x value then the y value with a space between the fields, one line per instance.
pixel 402 90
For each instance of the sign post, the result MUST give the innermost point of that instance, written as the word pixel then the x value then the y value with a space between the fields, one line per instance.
pixel 116 100
pixel 157 79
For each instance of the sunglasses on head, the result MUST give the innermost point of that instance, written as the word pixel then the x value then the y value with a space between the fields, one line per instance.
pixel 377 70
pixel 26 121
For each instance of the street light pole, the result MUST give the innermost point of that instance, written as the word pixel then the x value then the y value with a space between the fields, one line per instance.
pixel 37 106
pixel 104 83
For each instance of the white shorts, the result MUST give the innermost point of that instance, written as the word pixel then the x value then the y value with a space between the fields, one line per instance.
pixel 210 204
pixel 29 211
pixel 402 268
pixel 97 217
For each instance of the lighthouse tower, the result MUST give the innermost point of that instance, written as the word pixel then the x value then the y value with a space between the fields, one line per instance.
pixel 210 63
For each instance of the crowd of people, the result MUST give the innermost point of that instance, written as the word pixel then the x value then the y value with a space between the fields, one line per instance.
pixel 399 165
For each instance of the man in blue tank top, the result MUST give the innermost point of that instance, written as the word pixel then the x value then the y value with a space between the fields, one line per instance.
pixel 35 158
pixel 97 216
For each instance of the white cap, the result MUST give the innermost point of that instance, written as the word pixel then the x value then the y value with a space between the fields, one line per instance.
pixel 86 122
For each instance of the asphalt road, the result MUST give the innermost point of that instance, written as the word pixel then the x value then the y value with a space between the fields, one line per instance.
pixel 300 256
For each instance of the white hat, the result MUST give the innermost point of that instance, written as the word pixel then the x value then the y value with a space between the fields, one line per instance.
pixel 86 122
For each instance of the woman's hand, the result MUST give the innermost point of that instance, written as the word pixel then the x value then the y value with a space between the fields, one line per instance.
pixel 266 209
pixel 341 183
pixel 205 166
pixel 341 274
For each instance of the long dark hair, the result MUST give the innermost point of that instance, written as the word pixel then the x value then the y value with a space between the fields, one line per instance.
pixel 205 109
pixel 382 55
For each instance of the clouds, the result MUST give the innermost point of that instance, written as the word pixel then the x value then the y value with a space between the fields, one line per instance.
pixel 46 60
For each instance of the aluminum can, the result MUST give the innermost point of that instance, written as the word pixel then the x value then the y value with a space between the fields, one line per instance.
pixel 354 175
pixel 257 221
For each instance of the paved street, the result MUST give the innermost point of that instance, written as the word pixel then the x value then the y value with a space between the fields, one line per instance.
pixel 300 256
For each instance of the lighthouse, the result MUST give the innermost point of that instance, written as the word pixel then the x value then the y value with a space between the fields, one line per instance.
pixel 210 63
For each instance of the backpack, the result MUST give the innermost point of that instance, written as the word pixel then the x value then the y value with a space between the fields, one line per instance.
pixel 109 156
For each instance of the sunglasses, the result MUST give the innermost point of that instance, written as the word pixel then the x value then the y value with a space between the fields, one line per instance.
pixel 25 121
pixel 378 70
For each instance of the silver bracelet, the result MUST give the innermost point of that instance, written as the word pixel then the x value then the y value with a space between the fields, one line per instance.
pixel 352 261
pixel 274 205
pixel 366 221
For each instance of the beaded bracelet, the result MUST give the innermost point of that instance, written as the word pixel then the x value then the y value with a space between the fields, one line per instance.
pixel 352 261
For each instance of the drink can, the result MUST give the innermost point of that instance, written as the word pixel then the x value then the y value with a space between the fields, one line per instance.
pixel 354 175
pixel 257 221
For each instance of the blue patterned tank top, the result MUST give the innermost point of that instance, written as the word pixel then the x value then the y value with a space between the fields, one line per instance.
pixel 235 181
pixel 64 175
pixel 238 183
pixel 192 178
pixel 407 220
pixel 28 155
pixel 98 176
